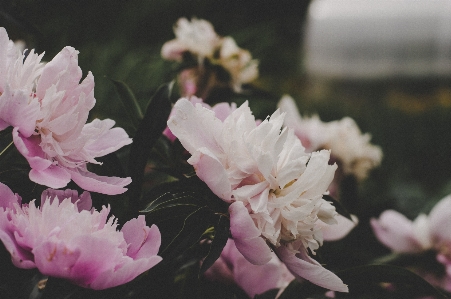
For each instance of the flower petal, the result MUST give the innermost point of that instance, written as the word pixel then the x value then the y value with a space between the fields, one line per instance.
pixel 395 231
pixel 341 229
pixel 53 176
pixel 246 235
pixel 302 266
pixel 96 183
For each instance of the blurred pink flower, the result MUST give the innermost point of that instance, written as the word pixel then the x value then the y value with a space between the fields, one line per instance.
pixel 199 38
pixel 196 36
pixel 65 238
pixel 274 188
pixel 349 147
pixel 48 108
pixel 426 232
pixel 233 267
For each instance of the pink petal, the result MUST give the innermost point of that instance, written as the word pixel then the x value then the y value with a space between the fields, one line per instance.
pixel 395 231
pixel 8 197
pixel 101 184
pixel 65 62
pixel 30 149
pixel 56 259
pixel 302 266
pixel 20 257
pixel 440 220
pixel 142 240
pixel 340 230
pixel 84 200
pixel 195 126
pixel 210 170
pixel 17 111
pixel 129 271
pixel 107 142
pixel 246 235
pixel 53 177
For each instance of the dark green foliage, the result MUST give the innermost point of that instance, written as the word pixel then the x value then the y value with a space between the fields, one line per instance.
pixel 149 130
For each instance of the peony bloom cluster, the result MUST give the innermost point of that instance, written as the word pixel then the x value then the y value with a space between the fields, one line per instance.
pixel 65 238
pixel 48 108
pixel 426 232
pixel 233 268
pixel 198 38
pixel 274 188
pixel 350 148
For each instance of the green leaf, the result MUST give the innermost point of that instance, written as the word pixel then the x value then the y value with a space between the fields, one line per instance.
pixel 338 207
pixel 149 130
pixel 191 232
pixel 217 245
pixel 359 278
pixel 185 191
pixel 131 105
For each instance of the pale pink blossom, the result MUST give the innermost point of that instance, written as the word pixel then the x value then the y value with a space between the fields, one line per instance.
pixel 275 189
pixel 426 232
pixel 233 268
pixel 65 238
pixel 198 38
pixel 349 147
pixel 18 76
pixel 48 108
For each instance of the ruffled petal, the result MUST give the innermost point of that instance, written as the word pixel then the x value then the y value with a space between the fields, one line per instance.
pixel 16 111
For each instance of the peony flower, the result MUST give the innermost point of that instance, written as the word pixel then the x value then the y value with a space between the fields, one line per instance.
pixel 197 37
pixel 233 268
pixel 349 147
pixel 426 232
pixel 275 189
pixel 65 238
pixel 48 108
pixel 200 40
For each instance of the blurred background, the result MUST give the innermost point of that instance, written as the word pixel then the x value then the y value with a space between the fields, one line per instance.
pixel 387 64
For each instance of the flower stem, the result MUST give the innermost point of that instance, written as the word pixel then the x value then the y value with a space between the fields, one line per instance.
pixel 4 150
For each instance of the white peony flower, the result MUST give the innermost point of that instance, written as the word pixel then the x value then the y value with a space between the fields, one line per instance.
pixel 196 36
pixel 274 187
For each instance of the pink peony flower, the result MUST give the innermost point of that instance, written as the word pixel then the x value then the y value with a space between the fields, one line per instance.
pixel 48 108
pixel 65 238
pixel 232 267
pixel 426 232
pixel 275 189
